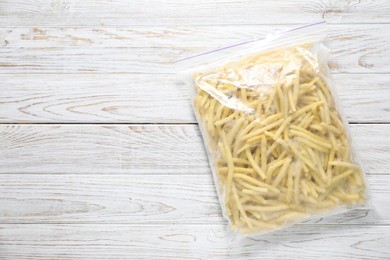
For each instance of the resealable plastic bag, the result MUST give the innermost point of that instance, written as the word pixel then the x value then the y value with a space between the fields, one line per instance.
pixel 278 147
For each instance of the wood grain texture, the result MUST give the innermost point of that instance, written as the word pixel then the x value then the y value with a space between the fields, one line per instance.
pixel 157 98
pixel 143 199
pixel 147 49
pixel 95 191
pixel 190 242
pixel 156 12
pixel 139 149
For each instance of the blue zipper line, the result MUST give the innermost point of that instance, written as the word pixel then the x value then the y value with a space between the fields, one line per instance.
pixel 243 43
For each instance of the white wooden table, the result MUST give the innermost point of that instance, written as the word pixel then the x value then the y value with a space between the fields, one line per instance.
pixel 100 155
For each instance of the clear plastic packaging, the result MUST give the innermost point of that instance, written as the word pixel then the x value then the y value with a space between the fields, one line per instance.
pixel 278 147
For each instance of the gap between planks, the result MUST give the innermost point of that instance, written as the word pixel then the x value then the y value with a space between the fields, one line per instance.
pixel 146 123
pixel 3 27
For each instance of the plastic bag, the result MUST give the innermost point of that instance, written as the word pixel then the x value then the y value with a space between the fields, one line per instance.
pixel 278 148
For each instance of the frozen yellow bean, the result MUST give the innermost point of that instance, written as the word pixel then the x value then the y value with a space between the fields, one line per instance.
pixel 280 148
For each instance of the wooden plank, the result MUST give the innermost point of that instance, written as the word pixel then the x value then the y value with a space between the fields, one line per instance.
pixel 155 12
pixel 147 98
pixel 152 49
pixel 190 242
pixel 139 149
pixel 142 199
